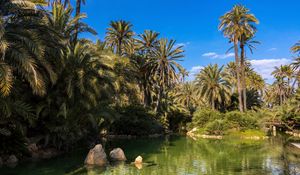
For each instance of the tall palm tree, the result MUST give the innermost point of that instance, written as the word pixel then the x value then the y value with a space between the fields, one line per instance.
pixel 246 40
pixel 146 43
pixel 212 85
pixel 234 24
pixel 163 66
pixel 118 34
pixel 77 13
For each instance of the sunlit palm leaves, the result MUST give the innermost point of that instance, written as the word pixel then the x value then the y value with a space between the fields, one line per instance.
pixel 163 62
pixel 119 34
pixel 237 25
pixel 212 85
pixel 29 40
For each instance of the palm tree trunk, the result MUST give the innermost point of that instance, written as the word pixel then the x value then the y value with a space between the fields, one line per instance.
pixel 78 7
pixel 213 104
pixel 237 62
pixel 119 47
pixel 242 46
pixel 159 96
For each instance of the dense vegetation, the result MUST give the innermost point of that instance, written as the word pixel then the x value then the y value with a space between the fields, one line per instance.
pixel 57 88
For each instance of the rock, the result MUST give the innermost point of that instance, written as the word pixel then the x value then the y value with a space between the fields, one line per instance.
pixel 32 148
pixel 96 156
pixel 138 160
pixel 12 159
pixel 117 154
pixel 1 162
pixel 48 153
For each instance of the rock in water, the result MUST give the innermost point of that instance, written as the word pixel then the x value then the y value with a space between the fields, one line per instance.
pixel 117 154
pixel 12 159
pixel 96 156
pixel 138 160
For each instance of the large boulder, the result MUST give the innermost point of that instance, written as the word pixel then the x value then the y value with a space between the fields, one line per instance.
pixel 117 154
pixel 96 156
pixel 12 159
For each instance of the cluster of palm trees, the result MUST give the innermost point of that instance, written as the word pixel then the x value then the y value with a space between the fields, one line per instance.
pixel 215 87
pixel 287 81
pixel 57 87
pixel 238 25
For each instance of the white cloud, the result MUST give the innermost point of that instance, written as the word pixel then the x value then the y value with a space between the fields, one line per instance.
pixel 214 55
pixel 182 44
pixel 193 71
pixel 266 66
pixel 272 49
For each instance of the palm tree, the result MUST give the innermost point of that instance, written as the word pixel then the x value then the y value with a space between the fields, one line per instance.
pixel 246 40
pixel 30 41
pixel 296 48
pixel 77 13
pixel 184 94
pixel 163 66
pixel 147 41
pixel 281 85
pixel 234 24
pixel 61 20
pixel 118 34
pixel 212 85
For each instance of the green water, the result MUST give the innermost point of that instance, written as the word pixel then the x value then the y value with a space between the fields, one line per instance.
pixel 179 156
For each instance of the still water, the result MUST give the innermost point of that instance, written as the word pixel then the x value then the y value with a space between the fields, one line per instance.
pixel 180 156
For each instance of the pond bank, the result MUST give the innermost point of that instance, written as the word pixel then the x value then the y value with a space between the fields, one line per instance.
pixel 248 134
pixel 175 155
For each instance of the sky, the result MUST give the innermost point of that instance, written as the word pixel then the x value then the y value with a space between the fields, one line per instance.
pixel 194 24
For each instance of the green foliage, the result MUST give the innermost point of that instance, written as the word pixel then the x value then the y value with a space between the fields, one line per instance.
pixel 214 122
pixel 203 116
pixel 241 121
pixel 135 120
pixel 216 127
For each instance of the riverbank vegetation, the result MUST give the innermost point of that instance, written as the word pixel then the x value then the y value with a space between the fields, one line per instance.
pixel 58 89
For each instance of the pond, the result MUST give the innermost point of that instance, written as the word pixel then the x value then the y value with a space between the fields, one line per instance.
pixel 178 155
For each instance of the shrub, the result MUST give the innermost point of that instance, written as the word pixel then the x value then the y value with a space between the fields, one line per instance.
pixel 216 127
pixel 203 116
pixel 135 120
pixel 241 121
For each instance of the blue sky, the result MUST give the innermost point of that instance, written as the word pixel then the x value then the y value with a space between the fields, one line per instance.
pixel 194 24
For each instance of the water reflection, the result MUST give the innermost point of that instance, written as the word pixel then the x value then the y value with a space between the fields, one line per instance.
pixel 183 156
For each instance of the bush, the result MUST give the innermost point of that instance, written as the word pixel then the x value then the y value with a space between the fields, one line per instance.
pixel 214 122
pixel 203 116
pixel 177 121
pixel 241 121
pixel 135 120
pixel 216 127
